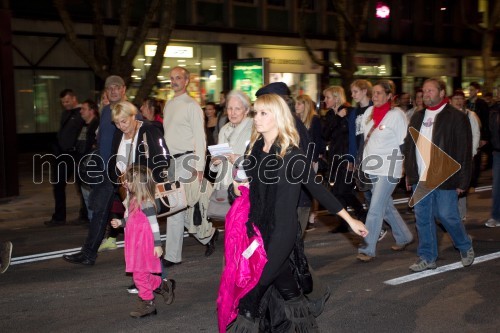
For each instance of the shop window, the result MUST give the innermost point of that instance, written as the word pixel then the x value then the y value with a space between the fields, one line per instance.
pixel 202 61
pixel 38 109
pixel 429 11
pixel 211 14
pixel 249 2
pixel 306 4
pixel 246 17
pixel 276 3
pixel 406 9
pixel 277 20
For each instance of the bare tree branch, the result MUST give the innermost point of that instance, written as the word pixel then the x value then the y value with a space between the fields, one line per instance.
pixel 121 37
pixel 167 19
pixel 73 40
pixel 340 9
pixel 101 52
pixel 141 33
pixel 302 34
pixel 465 21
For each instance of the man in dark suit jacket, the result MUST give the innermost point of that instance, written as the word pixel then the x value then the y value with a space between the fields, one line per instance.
pixel 64 151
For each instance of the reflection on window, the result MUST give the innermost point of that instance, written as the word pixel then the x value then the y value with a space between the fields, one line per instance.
pixel 306 4
pixel 277 3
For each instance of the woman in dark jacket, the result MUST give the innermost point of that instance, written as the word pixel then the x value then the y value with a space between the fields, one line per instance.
pixel 148 145
pixel 336 132
pixel 275 184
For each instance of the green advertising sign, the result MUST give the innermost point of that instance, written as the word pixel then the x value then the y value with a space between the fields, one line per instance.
pixel 248 75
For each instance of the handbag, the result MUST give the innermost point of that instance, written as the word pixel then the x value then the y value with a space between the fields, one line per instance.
pixel 300 265
pixel 170 196
pixel 218 205
pixel 361 178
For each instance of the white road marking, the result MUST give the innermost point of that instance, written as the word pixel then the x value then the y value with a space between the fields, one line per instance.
pixel 59 254
pixel 439 270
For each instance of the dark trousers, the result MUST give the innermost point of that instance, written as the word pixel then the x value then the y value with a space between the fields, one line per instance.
pixel 62 170
pixel 100 201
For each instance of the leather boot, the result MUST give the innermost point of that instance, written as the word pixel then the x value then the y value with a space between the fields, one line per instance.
pixel 144 308
pixel 166 289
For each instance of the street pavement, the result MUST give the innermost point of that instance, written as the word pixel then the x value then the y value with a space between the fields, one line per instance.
pixel 42 293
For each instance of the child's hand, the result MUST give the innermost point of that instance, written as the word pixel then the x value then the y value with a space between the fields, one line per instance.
pixel 158 251
pixel 115 223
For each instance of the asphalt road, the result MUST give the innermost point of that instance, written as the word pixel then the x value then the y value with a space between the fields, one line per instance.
pixel 51 295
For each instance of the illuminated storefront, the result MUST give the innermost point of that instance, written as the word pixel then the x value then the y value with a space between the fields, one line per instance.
pixel 289 65
pixel 202 61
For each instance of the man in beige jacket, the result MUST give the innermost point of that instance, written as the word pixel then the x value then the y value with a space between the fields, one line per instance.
pixel 185 136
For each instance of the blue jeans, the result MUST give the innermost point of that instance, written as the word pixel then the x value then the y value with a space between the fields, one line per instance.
pixel 495 208
pixel 442 205
pixel 382 207
pixel 100 201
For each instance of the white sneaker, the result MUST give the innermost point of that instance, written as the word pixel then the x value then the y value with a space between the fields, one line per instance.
pixel 492 223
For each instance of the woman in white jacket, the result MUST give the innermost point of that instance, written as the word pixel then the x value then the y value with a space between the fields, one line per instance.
pixel 384 130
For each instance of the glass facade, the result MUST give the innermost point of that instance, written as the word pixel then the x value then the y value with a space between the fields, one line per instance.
pixel 42 69
pixel 204 62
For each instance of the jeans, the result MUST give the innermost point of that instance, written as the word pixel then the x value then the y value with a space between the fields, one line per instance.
pixel 495 208
pixel 382 207
pixel 442 205
pixel 100 201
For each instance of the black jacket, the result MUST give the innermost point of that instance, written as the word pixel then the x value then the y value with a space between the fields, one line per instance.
pixel 494 123
pixel 157 160
pixel 336 132
pixel 294 173
pixel 452 134
pixel 71 125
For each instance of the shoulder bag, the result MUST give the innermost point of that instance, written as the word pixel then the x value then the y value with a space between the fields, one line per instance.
pixel 170 196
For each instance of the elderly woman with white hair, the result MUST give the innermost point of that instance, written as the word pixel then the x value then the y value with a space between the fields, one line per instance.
pixel 236 133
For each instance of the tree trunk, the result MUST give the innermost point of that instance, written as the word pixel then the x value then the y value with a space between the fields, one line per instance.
pixel 120 61
pixel 164 32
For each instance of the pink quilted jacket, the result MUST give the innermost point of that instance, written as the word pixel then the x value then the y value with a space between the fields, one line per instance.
pixel 245 259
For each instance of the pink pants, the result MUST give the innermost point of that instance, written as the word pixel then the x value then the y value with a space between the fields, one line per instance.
pixel 146 283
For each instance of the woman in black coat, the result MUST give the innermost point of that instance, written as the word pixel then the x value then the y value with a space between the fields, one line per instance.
pixel 336 132
pixel 277 169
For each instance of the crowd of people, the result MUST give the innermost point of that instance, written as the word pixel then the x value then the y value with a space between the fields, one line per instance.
pixel 383 137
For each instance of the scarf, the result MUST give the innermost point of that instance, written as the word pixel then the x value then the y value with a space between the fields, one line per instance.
pixel 379 112
pixel 263 169
pixel 436 107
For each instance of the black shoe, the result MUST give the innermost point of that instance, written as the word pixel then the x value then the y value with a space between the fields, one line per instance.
pixel 168 263
pixel 54 223
pixel 211 244
pixel 78 258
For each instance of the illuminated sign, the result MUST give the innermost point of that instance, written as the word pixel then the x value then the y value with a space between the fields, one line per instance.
pixel 248 75
pixel 170 52
pixel 382 10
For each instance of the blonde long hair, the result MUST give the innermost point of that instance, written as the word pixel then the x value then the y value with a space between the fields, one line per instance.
pixel 288 136
pixel 141 184
pixel 309 111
